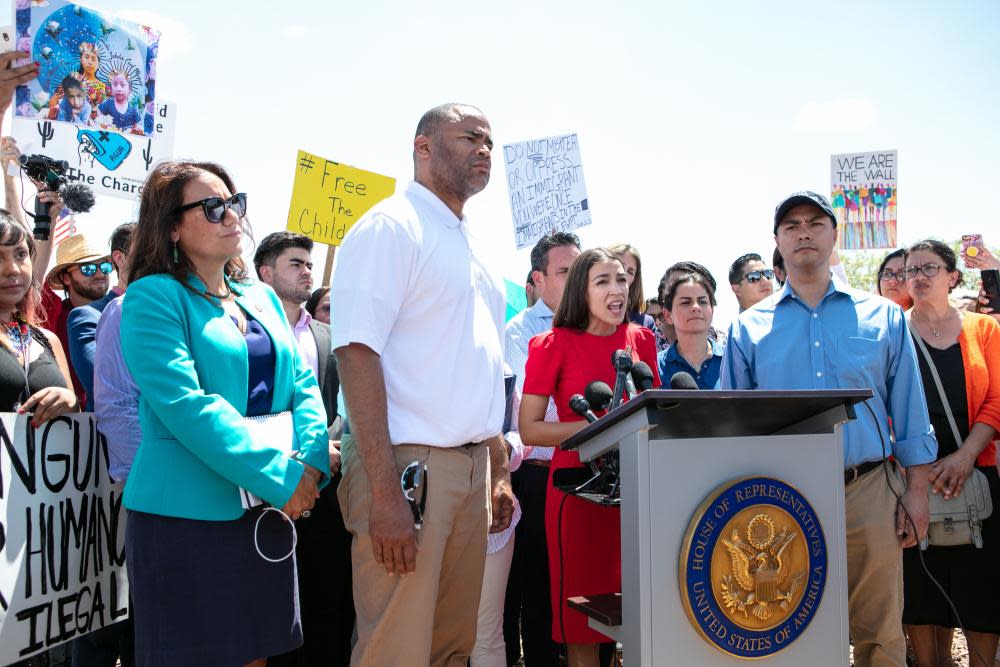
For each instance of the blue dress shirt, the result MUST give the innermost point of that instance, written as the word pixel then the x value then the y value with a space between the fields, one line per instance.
pixel 706 377
pixel 851 340
pixel 81 328
pixel 518 332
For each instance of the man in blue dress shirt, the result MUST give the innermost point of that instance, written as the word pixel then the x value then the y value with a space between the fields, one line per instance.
pixel 816 333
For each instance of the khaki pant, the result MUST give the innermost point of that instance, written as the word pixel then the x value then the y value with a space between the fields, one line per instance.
pixel 429 616
pixel 875 571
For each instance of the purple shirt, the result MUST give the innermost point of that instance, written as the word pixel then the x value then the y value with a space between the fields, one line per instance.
pixel 116 398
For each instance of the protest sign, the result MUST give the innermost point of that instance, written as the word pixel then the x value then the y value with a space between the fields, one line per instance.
pixel 547 192
pixel 863 195
pixel 111 164
pixel 62 535
pixel 95 71
pixel 329 197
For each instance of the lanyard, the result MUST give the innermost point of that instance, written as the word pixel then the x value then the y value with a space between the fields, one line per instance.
pixel 20 336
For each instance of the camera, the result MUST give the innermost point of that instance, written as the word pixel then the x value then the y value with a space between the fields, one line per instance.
pixel 50 175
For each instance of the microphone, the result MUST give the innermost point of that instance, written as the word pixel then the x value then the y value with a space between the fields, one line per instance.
pixel 598 395
pixel 580 406
pixel 682 380
pixel 622 361
pixel 78 197
pixel 642 375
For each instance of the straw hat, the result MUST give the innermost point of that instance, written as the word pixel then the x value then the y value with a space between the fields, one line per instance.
pixel 75 249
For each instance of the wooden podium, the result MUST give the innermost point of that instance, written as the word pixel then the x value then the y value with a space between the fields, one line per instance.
pixel 732 527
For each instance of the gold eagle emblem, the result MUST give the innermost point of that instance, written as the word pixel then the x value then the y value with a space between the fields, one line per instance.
pixel 760 568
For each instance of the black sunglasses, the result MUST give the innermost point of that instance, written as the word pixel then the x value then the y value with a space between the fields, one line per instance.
pixel 415 475
pixel 754 276
pixel 216 207
pixel 90 269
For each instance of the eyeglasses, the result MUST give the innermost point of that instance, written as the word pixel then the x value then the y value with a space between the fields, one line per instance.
pixel 755 276
pixel 90 269
pixel 898 276
pixel 929 270
pixel 658 317
pixel 216 207
pixel 415 475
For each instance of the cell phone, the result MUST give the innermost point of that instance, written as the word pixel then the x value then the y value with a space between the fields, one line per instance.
pixel 972 244
pixel 991 284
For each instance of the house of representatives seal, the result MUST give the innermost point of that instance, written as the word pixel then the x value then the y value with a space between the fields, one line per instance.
pixel 753 567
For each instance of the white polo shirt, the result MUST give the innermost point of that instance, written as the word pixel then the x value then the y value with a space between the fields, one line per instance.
pixel 409 285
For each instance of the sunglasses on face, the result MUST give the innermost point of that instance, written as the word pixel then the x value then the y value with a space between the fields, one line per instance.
pixel 929 270
pixel 89 270
pixel 755 276
pixel 415 475
pixel 898 276
pixel 215 207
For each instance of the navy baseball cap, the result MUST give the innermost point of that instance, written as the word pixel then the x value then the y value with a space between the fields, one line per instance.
pixel 797 199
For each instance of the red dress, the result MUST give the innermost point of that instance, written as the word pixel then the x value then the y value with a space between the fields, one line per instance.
pixel 562 362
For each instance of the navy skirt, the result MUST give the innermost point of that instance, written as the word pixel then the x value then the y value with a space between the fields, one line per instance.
pixel 202 595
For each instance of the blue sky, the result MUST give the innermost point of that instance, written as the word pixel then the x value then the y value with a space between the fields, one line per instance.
pixel 694 119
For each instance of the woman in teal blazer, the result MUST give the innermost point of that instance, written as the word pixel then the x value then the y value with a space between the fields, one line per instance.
pixel 208 347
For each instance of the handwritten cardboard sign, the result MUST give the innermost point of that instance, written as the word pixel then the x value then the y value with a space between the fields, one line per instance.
pixel 546 186
pixel 62 535
pixel 329 197
pixel 864 194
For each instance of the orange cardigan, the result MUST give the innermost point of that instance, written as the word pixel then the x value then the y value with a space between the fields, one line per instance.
pixel 980 343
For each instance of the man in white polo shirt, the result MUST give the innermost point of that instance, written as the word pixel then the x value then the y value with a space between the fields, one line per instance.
pixel 417 330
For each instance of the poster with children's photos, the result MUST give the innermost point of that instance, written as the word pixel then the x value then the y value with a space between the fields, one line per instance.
pixel 110 163
pixel 96 71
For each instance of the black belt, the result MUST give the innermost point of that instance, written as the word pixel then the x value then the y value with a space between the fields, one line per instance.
pixel 851 474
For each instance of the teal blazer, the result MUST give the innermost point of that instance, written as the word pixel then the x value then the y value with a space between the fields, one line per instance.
pixel 190 364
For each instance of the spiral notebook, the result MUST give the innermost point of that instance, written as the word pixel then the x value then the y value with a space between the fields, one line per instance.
pixel 277 430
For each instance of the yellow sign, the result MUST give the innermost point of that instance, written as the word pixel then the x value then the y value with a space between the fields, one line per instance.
pixel 329 197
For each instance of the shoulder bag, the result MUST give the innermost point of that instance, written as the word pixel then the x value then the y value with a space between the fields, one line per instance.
pixel 959 519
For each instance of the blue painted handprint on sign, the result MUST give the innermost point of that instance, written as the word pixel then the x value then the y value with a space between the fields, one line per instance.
pixel 108 148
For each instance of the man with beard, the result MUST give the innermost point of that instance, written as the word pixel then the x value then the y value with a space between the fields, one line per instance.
pixel 284 261
pixel 418 332
pixel 81 271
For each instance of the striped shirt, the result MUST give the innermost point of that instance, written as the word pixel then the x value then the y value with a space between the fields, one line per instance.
pixel 116 398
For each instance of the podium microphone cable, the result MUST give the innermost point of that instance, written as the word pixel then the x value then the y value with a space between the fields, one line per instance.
pixel 920 551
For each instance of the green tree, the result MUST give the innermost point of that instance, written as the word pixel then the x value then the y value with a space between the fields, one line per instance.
pixel 861 266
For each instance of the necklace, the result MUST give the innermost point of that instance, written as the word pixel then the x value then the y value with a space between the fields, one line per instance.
pixel 937 333
pixel 20 337
pixel 220 297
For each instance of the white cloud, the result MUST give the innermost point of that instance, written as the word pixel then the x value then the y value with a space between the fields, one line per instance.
pixel 842 115
pixel 294 30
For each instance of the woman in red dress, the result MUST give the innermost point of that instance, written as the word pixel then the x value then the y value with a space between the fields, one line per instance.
pixel 583 537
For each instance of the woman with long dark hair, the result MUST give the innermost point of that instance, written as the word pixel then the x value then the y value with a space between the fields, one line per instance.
pixel 583 538
pixel 233 426
pixel 34 373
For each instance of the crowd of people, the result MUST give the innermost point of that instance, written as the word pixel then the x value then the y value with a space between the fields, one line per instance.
pixel 302 491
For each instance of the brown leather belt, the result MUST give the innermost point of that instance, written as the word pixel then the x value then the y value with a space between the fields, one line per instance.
pixel 852 474
pixel 540 463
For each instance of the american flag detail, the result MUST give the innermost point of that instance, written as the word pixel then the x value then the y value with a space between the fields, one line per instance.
pixel 64 228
